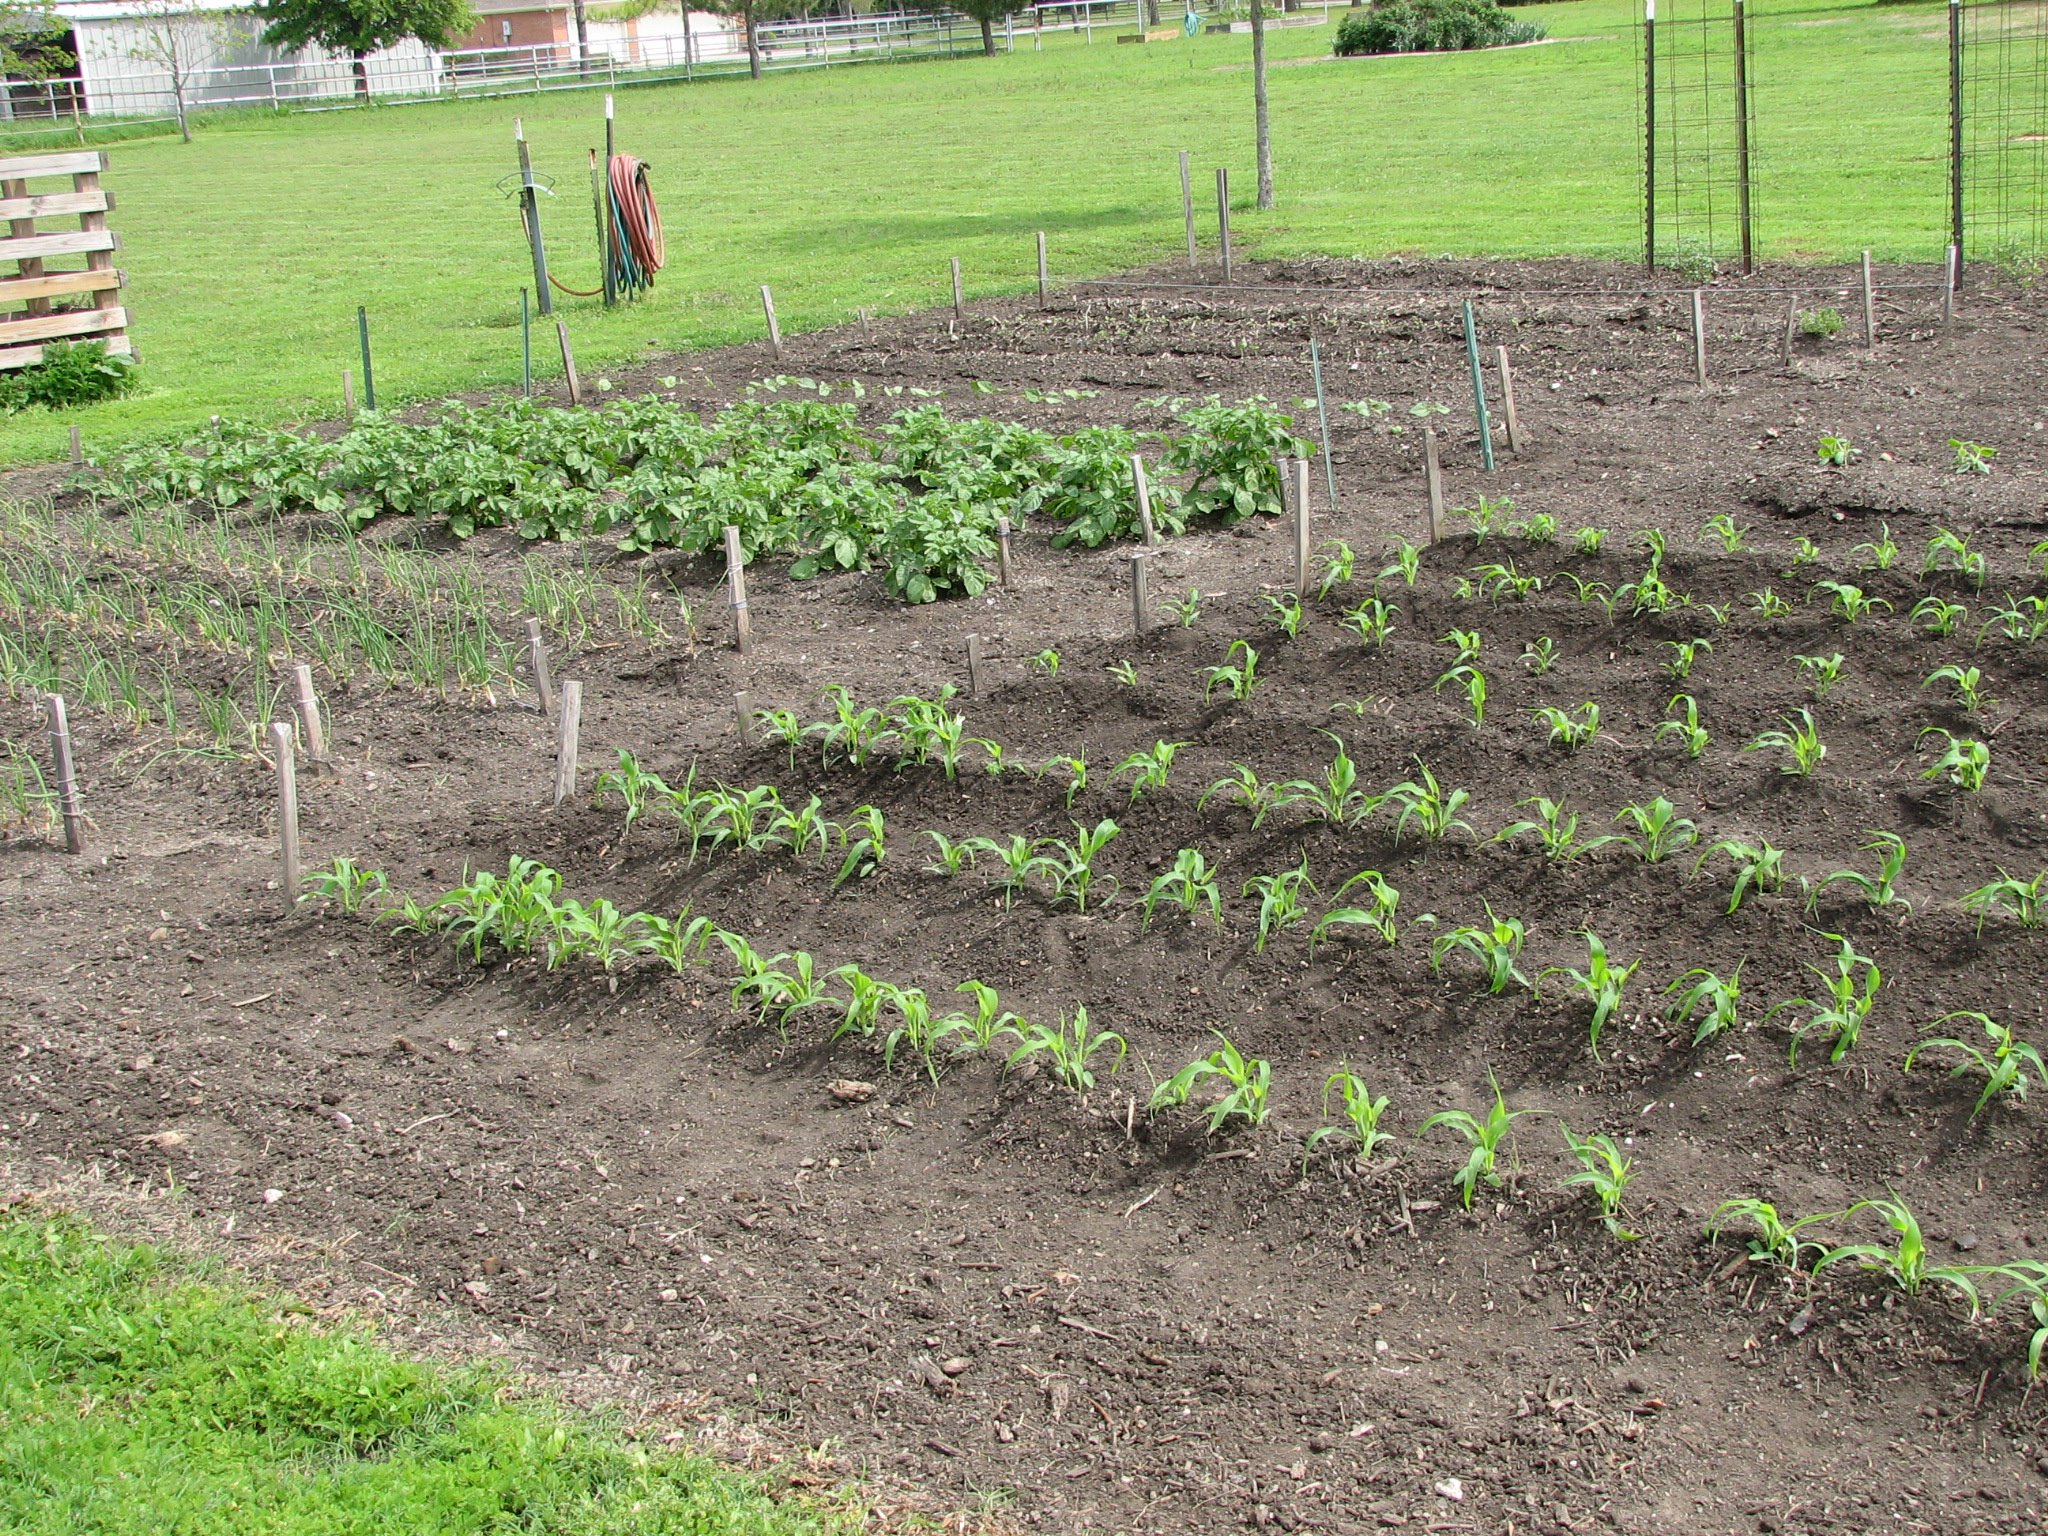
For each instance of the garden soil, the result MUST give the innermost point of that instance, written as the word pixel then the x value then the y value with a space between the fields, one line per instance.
pixel 1060 1312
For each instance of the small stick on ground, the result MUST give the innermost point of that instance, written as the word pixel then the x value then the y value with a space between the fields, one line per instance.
pixel 569 363
pixel 1699 337
pixel 566 732
pixel 774 330
pixel 287 813
pixel 1507 400
pixel 1869 305
pixel 1791 326
pixel 1141 604
pixel 1433 475
pixel 69 807
pixel 537 665
pixel 306 704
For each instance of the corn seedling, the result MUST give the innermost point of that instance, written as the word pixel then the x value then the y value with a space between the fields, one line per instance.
pixel 1337 800
pixel 1016 856
pixel 2024 619
pixel 855 732
pixel 1555 828
pixel 634 786
pixel 1472 683
pixel 1712 998
pixel 1963 762
pixel 1502 582
pixel 1485 1136
pixel 1241 786
pixel 1690 735
pixel 1496 946
pixel 346 883
pixel 1248 1078
pixel 1484 517
pixel 1821 323
pixel 1588 541
pixel 995 757
pixel 990 1023
pixel 805 831
pixel 1379 916
pixel 1335 562
pixel 1836 452
pixel 1601 983
pixel 1849 602
pixel 1539 655
pixel 1837 1016
pixel 2029 1279
pixel 1881 553
pixel 1759 869
pixel 917 1028
pixel 1406 564
pixel 1072 1049
pixel 1047 661
pixel 752 989
pixel 1822 672
pixel 1070 867
pixel 2003 1067
pixel 782 726
pixel 2020 900
pixel 862 840
pixel 1774 1240
pixel 1950 551
pixel 1879 889
pixel 598 932
pixel 1280 900
pixel 1148 769
pixel 1971 458
pixel 1372 621
pixel 1237 676
pixel 1123 672
pixel 1184 609
pixel 1604 1171
pixel 1800 741
pixel 950 858
pixel 1654 545
pixel 1904 1263
pixel 1804 553
pixel 679 942
pixel 1684 653
pixel 1570 729
pixel 1537 528
pixel 1361 1124
pixel 1658 831
pixel 1285 613
pixel 1722 529
pixel 413 916
pixel 1189 885
pixel 1423 801
pixel 860 1011
pixel 1765 603
pixel 1076 770
pixel 1468 643
pixel 795 989
pixel 1938 617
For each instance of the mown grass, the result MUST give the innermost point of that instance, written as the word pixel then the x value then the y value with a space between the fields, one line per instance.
pixel 249 249
pixel 140 1396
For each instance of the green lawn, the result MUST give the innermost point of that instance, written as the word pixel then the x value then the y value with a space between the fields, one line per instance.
pixel 138 1399
pixel 249 249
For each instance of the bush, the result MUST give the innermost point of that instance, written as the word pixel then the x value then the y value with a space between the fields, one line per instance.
pixel 1431 26
pixel 69 374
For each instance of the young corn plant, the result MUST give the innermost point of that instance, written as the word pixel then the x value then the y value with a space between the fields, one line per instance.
pixel 1684 653
pixel 991 1023
pixel 1966 685
pixel 1765 603
pixel 1602 984
pixel 1687 731
pixel 1836 1017
pixel 1237 675
pixel 349 885
pixel 1076 770
pixel 1937 616
pixel 1335 563
pixel 2024 901
pixel 1070 868
pixel 1656 831
pixel 1360 1126
pixel 1472 683
pixel 1485 517
pixel 1336 800
pixel 1821 672
pixel 805 832
pixel 1555 829
pixel 797 989
pixel 1904 1262
pixel 2003 1067
pixel 1190 885
pixel 1285 613
pixel 949 858
pixel 1949 551
pixel 1243 787
pixel 1486 1138
pixel 599 932
pixel 1605 1172
pixel 1280 900
pixel 1423 801
pixel 917 1028
pixel 1774 1240
pixel 1072 1049
pixel 679 942
pixel 1496 946
pixel 1016 856
pixel 1963 762
pixel 1539 655
pixel 860 1011
pixel 1879 889
pixel 1501 581
pixel 1804 553
pixel 1248 1080
pixel 1384 900
pixel 1406 563
pixel 1589 541
pixel 1372 621
pixel 1759 869
pixel 1149 769
pixel 1799 741
pixel 1849 602
pixel 1048 662
pixel 1709 997
pixel 1185 610
pixel 2024 619
pixel 1468 643
pixel 862 841
pixel 2029 1279
pixel 1570 729
pixel 1721 529
pixel 634 786
pixel 1880 554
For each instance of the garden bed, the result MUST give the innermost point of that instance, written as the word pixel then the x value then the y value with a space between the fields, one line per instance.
pixel 1084 1315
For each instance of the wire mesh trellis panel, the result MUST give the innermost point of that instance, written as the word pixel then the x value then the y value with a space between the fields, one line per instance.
pixel 2001 83
pixel 1696 98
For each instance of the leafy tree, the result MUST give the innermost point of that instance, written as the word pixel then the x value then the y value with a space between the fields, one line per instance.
pixel 360 28
pixel 988 13
pixel 28 41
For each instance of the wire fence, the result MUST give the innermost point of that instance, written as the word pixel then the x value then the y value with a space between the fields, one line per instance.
pixel 2004 130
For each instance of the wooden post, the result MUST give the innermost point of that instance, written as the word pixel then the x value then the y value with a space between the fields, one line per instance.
pixel 743 716
pixel 1187 208
pixel 569 363
pixel 1791 326
pixel 774 330
pixel 1145 528
pixel 1869 305
pixel 1507 400
pixel 1301 528
pixel 1141 601
pixel 290 874
pixel 306 704
pixel 537 664
pixel 348 395
pixel 1699 337
pixel 974 666
pixel 1948 287
pixel 1223 216
pixel 867 330
pixel 565 740
pixel 1003 550
pixel 77 445
pixel 736 580
pixel 1043 284
pixel 529 215
pixel 68 806
pixel 959 300
pixel 1433 474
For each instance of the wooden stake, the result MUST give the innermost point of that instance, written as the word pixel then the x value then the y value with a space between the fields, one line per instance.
pixel 1948 287
pixel 566 731
pixel 736 580
pixel 537 666
pixel 348 395
pixel 867 329
pixel 974 666
pixel 1869 305
pixel 68 806
pixel 774 330
pixel 569 363
pixel 1003 550
pixel 1223 216
pixel 1145 528
pixel 77 446
pixel 290 874
pixel 743 716
pixel 306 704
pixel 1301 528
pixel 1507 400
pixel 1141 602
pixel 1699 337
pixel 959 301
pixel 1791 326
pixel 1433 474
pixel 1187 208
pixel 1043 284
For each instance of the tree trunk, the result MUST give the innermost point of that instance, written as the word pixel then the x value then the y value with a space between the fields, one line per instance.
pixel 1263 120
pixel 582 40
pixel 184 119
pixel 1152 12
pixel 753 45
pixel 362 69
pixel 988 37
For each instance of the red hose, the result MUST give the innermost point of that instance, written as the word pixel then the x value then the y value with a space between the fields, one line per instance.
pixel 638 222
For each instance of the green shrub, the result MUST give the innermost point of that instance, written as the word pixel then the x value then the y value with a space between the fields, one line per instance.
pixel 1431 26
pixel 70 374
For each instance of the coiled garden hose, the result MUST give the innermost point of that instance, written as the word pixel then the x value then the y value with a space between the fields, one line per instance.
pixel 638 249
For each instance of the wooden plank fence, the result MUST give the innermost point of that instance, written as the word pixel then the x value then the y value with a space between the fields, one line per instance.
pixel 93 311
